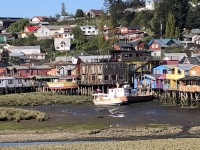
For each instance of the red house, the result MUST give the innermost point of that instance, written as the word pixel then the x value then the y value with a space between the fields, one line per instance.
pixel 18 71
pixel 40 70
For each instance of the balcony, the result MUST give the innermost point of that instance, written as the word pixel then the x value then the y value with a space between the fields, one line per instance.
pixel 189 88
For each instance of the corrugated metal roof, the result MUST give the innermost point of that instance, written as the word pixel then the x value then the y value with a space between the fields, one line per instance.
pixel 189 78
pixel 40 67
pixel 185 66
pixel 94 58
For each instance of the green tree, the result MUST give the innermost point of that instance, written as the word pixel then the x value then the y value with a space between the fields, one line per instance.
pixel 5 56
pixel 170 26
pixel 63 10
pixel 19 25
pixel 156 26
pixel 135 3
pixel 193 18
pixel 116 9
pixel 79 13
pixel 78 35
pixel 179 9
pixel 142 19
pixel 177 33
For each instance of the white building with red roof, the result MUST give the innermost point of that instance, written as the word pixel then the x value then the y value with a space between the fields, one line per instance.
pixel 39 20
pixel 28 30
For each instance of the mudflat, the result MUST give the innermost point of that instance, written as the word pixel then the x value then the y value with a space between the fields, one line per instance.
pixel 164 144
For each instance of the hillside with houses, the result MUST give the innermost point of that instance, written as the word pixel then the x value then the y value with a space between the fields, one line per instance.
pixel 102 48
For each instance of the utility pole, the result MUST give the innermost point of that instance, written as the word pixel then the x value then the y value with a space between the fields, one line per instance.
pixel 161 28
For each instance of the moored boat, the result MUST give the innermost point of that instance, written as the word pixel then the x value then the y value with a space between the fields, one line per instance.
pixel 125 94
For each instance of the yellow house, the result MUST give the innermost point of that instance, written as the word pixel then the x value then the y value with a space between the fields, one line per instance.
pixel 177 72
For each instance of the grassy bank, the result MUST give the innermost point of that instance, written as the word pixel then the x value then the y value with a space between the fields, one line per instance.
pixel 9 114
pixel 45 126
pixel 34 99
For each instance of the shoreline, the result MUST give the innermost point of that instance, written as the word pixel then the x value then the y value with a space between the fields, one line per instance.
pixel 116 133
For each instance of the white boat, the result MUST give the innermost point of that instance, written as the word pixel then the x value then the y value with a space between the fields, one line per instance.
pixel 117 96
pixel 114 97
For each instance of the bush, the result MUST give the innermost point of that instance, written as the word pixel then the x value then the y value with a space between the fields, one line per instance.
pixel 8 114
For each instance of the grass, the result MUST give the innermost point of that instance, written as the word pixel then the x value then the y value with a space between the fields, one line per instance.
pixel 17 114
pixel 164 126
pixel 35 99
pixel 43 126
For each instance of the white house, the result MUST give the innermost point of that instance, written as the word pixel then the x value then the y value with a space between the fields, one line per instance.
pixel 71 59
pixel 39 20
pixel 51 30
pixel 62 44
pixel 149 5
pixel 31 52
pixel 24 49
pixel 64 35
pixel 196 39
pixel 90 30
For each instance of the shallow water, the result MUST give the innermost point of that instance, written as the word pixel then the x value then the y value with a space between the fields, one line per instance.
pixel 133 114
pixel 47 143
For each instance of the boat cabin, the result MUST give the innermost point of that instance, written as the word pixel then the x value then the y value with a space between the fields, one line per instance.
pixel 126 90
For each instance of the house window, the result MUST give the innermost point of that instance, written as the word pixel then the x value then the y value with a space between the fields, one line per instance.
pixel 164 71
pixel 157 71
pixel 8 72
pixel 153 46
pixel 179 71
pixel 130 55
pixel 19 81
pixel 27 71
pixel 106 77
pixel 156 45
pixel 113 77
pixel 93 78
pixel 173 71
pixel 10 81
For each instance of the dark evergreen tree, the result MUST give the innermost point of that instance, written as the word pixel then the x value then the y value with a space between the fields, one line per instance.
pixel 193 18
pixel 170 26
pixel 79 13
pixel 63 10
pixel 5 56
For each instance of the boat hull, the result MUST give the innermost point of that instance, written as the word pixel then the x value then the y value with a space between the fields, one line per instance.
pixel 107 103
pixel 138 99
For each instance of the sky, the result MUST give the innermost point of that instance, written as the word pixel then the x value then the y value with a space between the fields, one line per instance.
pixel 29 9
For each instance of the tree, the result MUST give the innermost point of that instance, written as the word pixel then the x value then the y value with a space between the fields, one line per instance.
pixel 5 56
pixel 79 13
pixel 170 26
pixel 177 33
pixel 78 35
pixel 19 25
pixel 193 18
pixel 63 10
pixel 116 9
pixel 179 9
pixel 135 3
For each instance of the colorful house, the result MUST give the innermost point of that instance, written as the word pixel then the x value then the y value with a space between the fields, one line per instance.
pixel 177 72
pixel 195 71
pixel 156 45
